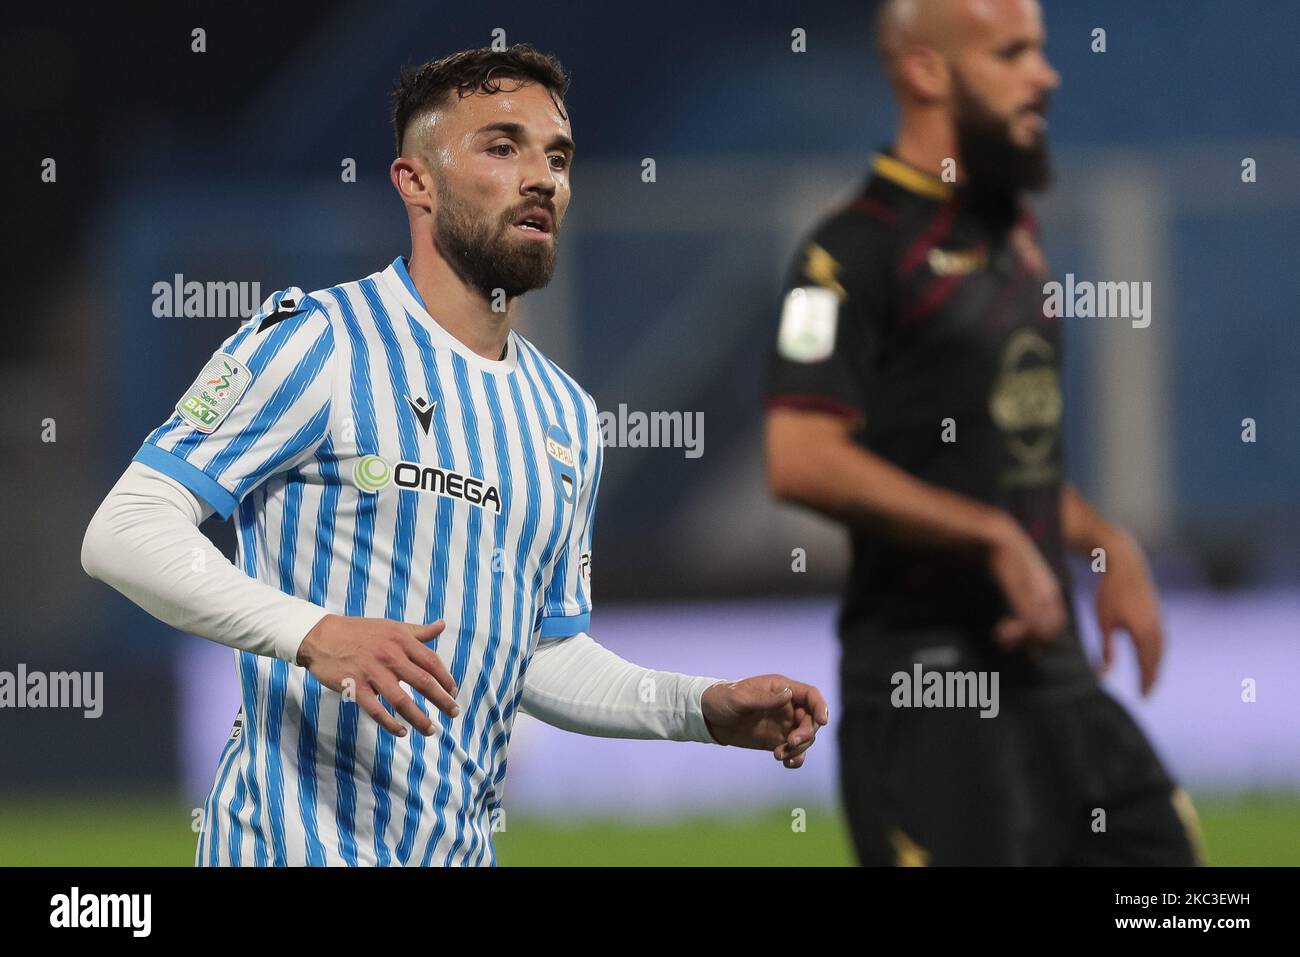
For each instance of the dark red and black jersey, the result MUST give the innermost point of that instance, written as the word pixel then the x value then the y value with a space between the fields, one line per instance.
pixel 916 310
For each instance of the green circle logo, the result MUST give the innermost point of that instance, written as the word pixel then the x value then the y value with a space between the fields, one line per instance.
pixel 371 473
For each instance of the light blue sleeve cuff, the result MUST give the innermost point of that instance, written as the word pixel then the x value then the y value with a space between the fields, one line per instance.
pixel 564 627
pixel 191 476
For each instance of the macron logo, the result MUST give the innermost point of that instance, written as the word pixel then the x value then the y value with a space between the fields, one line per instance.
pixel 423 410
pixel 285 310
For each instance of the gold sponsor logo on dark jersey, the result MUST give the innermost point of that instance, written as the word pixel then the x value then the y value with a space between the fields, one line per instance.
pixel 957 262
pixel 1026 405
pixel 822 268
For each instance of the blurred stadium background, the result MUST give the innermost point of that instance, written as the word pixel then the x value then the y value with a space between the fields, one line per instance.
pixel 225 166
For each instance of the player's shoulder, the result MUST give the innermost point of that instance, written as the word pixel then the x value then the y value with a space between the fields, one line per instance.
pixel 289 309
pixel 329 302
pixel 850 240
pixel 335 305
pixel 535 362
pixel 873 219
pixel 335 301
pixel 287 317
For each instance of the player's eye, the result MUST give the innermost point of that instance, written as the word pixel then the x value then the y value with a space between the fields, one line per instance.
pixel 559 162
pixel 1013 50
pixel 501 149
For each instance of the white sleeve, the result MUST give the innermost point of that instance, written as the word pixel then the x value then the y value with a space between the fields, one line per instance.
pixel 579 685
pixel 145 542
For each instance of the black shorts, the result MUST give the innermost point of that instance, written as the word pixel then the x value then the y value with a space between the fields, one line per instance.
pixel 1066 782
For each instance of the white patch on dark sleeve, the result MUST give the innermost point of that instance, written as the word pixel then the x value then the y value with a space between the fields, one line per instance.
pixel 809 317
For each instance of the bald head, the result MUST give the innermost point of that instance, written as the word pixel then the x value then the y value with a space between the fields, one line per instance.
pixel 946 27
pixel 902 23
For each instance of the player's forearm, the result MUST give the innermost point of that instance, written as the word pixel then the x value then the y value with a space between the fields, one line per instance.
pixel 813 462
pixel 578 685
pixel 144 541
pixel 1083 528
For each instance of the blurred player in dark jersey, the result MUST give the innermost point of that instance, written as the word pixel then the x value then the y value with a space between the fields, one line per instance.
pixel 915 396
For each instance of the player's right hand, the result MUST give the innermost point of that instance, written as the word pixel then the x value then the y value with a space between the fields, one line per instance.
pixel 367 657
pixel 1037 608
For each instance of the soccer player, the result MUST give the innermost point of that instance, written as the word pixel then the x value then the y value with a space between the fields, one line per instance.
pixel 414 486
pixel 914 395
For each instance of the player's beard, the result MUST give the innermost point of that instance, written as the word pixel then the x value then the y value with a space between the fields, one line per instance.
pixel 993 162
pixel 484 253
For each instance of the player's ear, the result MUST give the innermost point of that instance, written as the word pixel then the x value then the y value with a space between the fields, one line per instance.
pixel 413 182
pixel 925 71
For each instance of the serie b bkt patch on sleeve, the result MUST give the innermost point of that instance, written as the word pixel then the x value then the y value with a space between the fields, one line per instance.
pixel 214 393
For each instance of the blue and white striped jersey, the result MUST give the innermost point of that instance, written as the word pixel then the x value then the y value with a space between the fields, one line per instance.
pixel 378 467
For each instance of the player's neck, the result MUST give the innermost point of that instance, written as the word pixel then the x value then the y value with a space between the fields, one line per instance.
pixel 459 308
pixel 926 140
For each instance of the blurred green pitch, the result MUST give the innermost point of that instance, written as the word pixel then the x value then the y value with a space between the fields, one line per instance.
pixel 1260 830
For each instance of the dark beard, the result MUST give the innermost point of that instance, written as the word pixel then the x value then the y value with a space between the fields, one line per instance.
pixel 484 255
pixel 993 163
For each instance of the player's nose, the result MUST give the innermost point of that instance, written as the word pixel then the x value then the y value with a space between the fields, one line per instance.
pixel 1048 78
pixel 538 177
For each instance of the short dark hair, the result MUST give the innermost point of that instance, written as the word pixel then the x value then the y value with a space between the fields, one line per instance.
pixel 481 70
